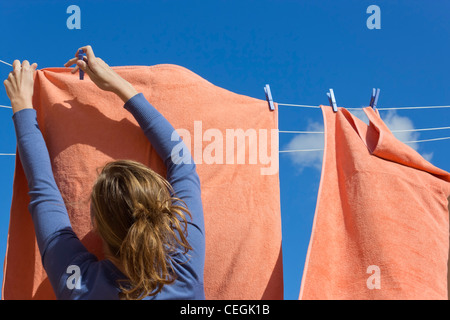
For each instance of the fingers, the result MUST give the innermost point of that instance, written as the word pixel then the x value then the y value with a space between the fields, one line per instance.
pixel 77 67
pixel 7 83
pixel 19 69
pixel 16 65
pixel 89 52
pixel 74 69
pixel 25 65
pixel 82 64
pixel 71 62
pixel 19 84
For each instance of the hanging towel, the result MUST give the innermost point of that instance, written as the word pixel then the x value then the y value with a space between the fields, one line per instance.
pixel 84 128
pixel 381 228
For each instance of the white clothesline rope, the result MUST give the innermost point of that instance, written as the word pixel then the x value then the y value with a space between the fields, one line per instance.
pixel 411 108
pixel 317 107
pixel 303 132
pixel 406 142
pixel 396 131
pixel 297 105
pixel 427 140
pixel 309 150
pixel 380 109
pixel 302 150
pixel 321 132
pixel 423 129
pixel 313 132
pixel 6 63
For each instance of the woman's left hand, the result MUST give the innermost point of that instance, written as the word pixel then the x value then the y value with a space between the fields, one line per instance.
pixel 19 85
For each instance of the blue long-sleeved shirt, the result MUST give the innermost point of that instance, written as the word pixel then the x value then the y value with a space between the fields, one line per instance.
pixel 74 272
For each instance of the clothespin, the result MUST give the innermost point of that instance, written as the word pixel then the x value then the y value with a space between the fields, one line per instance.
pixel 80 57
pixel 269 97
pixel 374 98
pixel 332 100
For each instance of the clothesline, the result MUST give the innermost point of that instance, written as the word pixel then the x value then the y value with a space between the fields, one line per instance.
pixel 317 107
pixel 396 131
pixel 301 150
pixel 406 142
pixel 380 109
pixel 309 150
pixel 321 132
pixel 6 63
pixel 313 132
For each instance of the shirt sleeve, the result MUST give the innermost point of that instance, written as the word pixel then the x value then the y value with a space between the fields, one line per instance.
pixel 181 171
pixel 57 242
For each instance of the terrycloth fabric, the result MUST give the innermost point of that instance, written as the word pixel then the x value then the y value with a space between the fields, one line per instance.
pixel 381 228
pixel 85 127
pixel 74 272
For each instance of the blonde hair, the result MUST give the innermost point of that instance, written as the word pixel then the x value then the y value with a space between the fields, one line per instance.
pixel 141 223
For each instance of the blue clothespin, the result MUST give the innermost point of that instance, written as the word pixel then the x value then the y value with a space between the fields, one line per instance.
pixel 374 98
pixel 80 57
pixel 269 97
pixel 332 100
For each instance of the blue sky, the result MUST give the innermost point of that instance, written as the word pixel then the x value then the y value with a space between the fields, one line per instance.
pixel 301 48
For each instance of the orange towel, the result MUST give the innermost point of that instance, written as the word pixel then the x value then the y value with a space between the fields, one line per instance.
pixel 85 127
pixel 381 228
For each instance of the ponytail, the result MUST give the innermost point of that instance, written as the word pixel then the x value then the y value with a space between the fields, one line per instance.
pixel 142 225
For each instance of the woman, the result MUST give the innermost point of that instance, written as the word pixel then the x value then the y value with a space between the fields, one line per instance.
pixel 152 228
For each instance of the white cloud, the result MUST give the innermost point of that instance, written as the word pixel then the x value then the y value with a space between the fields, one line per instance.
pixel 398 123
pixel 395 122
pixel 428 156
pixel 307 141
pixel 361 115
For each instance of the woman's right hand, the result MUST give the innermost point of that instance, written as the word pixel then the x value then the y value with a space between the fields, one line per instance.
pixel 102 74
